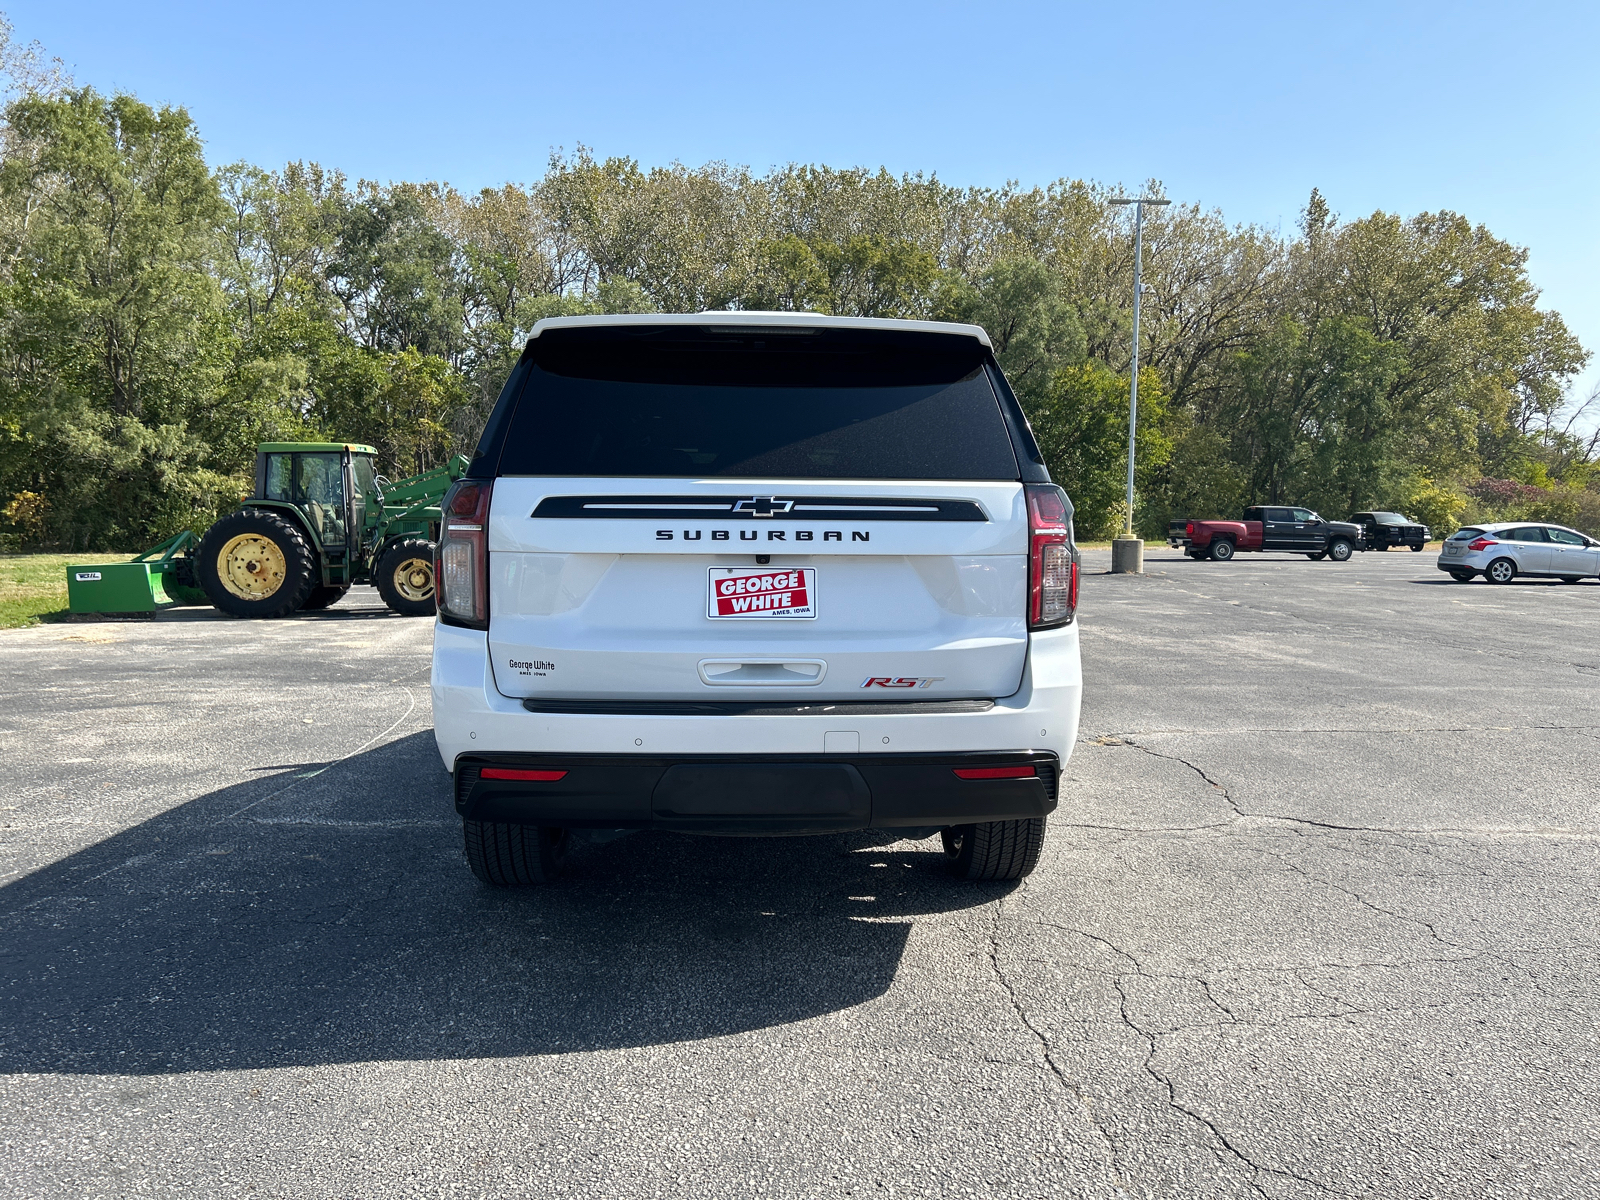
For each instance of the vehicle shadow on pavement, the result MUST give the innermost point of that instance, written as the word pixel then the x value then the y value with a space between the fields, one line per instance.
pixel 318 917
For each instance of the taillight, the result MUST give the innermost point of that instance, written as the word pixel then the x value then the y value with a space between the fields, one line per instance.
pixel 1052 557
pixel 995 772
pixel 522 776
pixel 1188 530
pixel 1482 543
pixel 463 567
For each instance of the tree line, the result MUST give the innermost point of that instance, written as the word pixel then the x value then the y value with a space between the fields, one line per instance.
pixel 159 317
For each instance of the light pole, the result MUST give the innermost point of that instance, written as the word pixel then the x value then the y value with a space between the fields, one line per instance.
pixel 1127 552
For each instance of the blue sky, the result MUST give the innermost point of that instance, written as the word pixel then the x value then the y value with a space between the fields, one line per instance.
pixel 1490 110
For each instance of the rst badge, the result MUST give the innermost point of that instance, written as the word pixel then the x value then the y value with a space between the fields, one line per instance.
pixel 762 593
pixel 902 681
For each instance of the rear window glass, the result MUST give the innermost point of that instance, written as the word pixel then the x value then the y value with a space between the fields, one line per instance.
pixel 834 404
pixel 1465 535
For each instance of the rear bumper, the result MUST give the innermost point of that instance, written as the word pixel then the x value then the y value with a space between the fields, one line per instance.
pixel 471 717
pixel 757 794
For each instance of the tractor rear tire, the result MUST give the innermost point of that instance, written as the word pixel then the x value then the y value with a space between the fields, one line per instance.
pixel 325 595
pixel 257 563
pixel 404 577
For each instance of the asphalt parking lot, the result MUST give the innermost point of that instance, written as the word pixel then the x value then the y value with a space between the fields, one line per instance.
pixel 1317 917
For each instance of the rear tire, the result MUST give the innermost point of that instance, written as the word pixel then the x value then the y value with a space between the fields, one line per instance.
pixel 404 577
pixel 1221 550
pixel 324 595
pixel 257 563
pixel 1417 549
pixel 1340 550
pixel 993 850
pixel 515 855
pixel 1462 576
pixel 1501 570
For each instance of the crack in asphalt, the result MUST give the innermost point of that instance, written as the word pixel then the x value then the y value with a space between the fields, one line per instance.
pixel 1358 897
pixel 1046 1052
pixel 1223 1146
pixel 1239 814
pixel 1226 795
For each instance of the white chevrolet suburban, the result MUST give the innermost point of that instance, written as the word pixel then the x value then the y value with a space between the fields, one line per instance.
pixel 751 574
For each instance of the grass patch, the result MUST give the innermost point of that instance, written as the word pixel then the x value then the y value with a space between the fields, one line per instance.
pixel 33 587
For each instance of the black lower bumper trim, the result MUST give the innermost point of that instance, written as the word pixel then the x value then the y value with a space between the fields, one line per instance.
pixel 757 794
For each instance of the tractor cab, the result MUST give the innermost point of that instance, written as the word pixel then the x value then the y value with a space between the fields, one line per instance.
pixel 332 487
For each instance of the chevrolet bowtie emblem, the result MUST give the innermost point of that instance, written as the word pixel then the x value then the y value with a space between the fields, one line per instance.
pixel 763 506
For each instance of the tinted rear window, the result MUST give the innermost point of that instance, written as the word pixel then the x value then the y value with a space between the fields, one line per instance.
pixel 834 404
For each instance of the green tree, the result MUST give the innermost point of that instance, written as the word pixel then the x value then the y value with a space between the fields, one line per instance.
pixel 1036 332
pixel 116 331
pixel 1082 429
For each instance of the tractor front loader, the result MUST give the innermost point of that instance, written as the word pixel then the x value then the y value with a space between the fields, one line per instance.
pixel 319 519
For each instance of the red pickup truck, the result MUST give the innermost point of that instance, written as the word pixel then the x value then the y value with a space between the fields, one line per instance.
pixel 1296 530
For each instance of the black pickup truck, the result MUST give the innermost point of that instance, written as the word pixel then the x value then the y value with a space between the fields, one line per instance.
pixel 1380 530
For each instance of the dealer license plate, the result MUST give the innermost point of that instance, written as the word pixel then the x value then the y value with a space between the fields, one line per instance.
pixel 1452 549
pixel 762 593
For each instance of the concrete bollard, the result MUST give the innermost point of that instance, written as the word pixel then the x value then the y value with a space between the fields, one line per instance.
pixel 1127 556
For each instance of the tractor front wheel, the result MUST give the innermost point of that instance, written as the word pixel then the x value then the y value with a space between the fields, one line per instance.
pixel 256 563
pixel 404 577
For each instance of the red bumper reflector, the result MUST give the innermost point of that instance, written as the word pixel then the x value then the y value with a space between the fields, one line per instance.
pixel 528 776
pixel 994 772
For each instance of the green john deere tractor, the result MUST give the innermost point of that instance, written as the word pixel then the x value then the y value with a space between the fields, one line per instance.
pixel 320 519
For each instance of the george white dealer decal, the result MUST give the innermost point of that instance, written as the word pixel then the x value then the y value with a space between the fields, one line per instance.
pixel 762 592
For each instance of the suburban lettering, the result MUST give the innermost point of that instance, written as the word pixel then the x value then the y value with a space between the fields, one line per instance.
pixel 773 535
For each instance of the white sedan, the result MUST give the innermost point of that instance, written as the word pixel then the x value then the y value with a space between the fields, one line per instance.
pixel 1505 549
